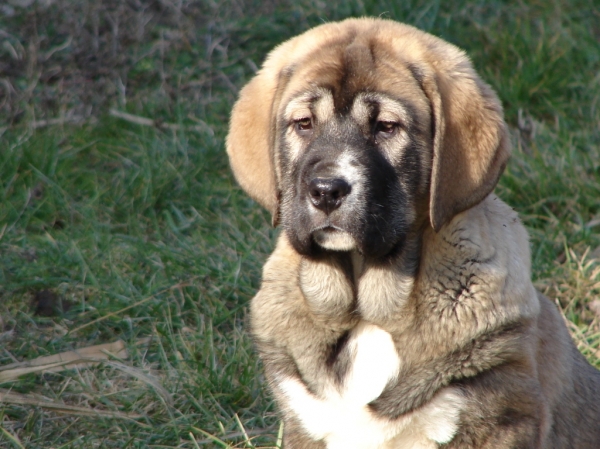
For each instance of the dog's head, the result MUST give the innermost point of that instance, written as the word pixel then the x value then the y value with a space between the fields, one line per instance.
pixel 355 132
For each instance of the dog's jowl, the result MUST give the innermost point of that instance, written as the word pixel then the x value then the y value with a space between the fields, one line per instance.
pixel 397 309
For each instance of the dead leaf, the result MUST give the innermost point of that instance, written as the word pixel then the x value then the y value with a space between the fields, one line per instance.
pixel 80 358
pixel 10 397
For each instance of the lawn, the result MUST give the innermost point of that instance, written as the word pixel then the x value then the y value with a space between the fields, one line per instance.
pixel 121 225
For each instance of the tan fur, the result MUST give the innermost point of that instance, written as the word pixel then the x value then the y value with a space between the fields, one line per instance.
pixel 440 339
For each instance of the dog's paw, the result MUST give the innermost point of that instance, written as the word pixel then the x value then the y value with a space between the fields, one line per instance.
pixel 340 414
pixel 374 364
pixel 335 420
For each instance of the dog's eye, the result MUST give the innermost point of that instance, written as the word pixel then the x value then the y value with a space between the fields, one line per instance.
pixel 386 129
pixel 303 124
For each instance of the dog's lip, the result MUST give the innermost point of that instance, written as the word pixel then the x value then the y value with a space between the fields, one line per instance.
pixel 328 228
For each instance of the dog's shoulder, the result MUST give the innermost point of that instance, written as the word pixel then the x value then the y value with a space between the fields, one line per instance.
pixel 489 231
pixel 475 272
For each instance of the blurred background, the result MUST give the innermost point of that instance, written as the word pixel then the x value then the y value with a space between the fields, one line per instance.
pixel 124 236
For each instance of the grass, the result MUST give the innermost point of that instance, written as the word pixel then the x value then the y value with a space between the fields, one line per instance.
pixel 115 231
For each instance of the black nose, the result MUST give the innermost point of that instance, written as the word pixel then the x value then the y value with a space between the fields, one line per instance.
pixel 327 193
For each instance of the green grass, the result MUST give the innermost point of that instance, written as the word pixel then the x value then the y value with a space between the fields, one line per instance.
pixel 142 235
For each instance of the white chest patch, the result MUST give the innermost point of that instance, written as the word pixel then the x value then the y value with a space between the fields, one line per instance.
pixel 340 415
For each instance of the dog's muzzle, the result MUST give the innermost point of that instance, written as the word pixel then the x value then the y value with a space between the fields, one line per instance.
pixel 327 194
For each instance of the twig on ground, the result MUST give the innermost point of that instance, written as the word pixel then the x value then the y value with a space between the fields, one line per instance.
pixel 145 121
pixel 141 301
pixel 74 120
pixel 10 397
pixel 80 358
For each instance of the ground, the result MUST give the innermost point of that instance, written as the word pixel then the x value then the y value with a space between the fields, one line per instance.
pixel 121 225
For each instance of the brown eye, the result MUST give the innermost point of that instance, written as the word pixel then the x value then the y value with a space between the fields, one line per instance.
pixel 303 124
pixel 386 129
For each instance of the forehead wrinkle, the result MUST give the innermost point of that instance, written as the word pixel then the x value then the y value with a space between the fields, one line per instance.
pixel 317 101
pixel 387 108
pixel 323 108
pixel 300 102
pixel 361 110
pixel 392 108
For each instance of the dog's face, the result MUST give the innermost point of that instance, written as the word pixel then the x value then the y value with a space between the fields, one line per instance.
pixel 356 133
pixel 354 153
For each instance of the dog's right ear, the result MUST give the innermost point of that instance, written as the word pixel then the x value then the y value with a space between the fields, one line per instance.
pixel 251 139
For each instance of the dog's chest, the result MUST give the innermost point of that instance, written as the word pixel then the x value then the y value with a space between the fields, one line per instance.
pixel 340 415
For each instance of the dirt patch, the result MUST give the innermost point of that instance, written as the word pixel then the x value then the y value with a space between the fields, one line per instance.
pixel 64 61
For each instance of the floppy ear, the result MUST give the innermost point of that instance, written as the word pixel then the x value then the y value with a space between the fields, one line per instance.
pixel 470 145
pixel 250 141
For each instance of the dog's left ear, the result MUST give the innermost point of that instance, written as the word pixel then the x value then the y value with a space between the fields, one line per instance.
pixel 471 145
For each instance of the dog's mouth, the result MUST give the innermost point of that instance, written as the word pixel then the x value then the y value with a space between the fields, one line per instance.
pixel 334 239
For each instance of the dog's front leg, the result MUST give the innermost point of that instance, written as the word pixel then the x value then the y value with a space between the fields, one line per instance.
pixel 295 437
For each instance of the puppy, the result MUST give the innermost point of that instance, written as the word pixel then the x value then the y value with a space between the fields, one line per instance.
pixel 397 309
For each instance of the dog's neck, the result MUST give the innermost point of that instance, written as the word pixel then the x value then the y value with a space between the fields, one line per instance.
pixel 343 287
pixel 383 287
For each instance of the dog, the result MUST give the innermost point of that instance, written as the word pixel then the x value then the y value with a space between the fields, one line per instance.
pixel 397 310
